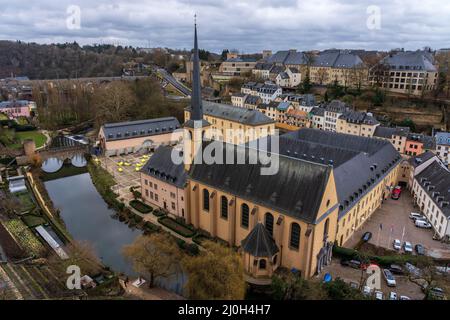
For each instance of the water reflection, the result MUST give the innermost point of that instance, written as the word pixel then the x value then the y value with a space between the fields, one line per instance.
pixel 79 161
pixel 52 165
pixel 88 218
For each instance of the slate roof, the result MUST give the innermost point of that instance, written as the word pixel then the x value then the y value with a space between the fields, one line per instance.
pixel 359 162
pixel 283 75
pixel 277 69
pixel 388 132
pixel 428 141
pixel 435 180
pixel 263 66
pixel 318 111
pixel 290 57
pixel 259 243
pixel 252 99
pixel 161 166
pixel 421 158
pixel 283 106
pixel 410 60
pixel 140 128
pixel 236 114
pixel 14 104
pixel 359 117
pixel 241 59
pixel 443 138
pixel 336 106
pixel 337 59
pixel 296 189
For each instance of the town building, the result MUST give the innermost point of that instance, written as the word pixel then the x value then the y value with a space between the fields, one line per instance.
pixel 397 136
pixel 289 58
pixel 237 66
pixel 163 183
pixel 443 146
pixel 338 66
pixel 407 72
pixel 234 124
pixel 267 91
pixel 142 135
pixel 357 123
pixel 431 193
pixel 289 78
pixel 317 116
pixel 333 110
pixel 262 70
pixel 297 118
pixel 417 144
pixel 18 108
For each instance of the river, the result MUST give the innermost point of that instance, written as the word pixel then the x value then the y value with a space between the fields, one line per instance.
pixel 88 218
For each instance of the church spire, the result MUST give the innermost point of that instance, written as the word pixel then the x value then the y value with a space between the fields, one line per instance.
pixel 196 98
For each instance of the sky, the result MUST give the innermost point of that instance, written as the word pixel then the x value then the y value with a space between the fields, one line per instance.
pixel 246 25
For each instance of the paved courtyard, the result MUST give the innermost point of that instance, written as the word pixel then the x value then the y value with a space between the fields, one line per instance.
pixel 395 214
pixel 126 178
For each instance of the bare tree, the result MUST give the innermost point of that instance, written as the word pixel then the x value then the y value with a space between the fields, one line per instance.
pixel 154 256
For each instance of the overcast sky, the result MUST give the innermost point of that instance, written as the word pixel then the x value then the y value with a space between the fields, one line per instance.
pixel 247 25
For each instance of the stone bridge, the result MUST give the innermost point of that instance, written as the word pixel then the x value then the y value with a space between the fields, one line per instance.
pixel 63 148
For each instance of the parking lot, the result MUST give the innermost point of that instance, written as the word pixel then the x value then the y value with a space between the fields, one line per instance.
pixel 125 175
pixel 394 214
pixel 403 287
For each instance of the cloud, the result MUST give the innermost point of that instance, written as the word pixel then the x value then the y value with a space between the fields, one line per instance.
pixel 248 25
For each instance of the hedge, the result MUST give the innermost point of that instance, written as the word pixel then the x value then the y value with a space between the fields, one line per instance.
pixel 347 253
pixel 179 228
pixel 140 206
pixel 159 213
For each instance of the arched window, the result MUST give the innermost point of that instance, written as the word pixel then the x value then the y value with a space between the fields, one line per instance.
pixel 224 207
pixel 244 215
pixel 295 236
pixel 325 229
pixel 262 264
pixel 269 222
pixel 205 200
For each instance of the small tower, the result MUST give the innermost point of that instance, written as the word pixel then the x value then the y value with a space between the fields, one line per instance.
pixel 195 127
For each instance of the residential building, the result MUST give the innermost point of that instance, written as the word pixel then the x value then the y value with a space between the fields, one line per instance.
pixel 267 91
pixel 234 124
pixel 443 146
pixel 236 66
pixel 133 136
pixel 397 136
pixel 430 192
pixel 357 123
pixel 163 183
pixel 297 118
pixel 290 78
pixel 417 144
pixel 262 70
pixel 289 58
pixel 338 66
pixel 417 164
pixel 238 99
pixel 407 72
pixel 18 108
pixel 333 110
pixel 252 102
pixel 317 116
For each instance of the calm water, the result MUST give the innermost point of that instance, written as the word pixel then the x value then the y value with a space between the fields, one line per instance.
pixel 88 218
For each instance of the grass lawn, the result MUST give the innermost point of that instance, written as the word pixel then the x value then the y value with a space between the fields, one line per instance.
pixel 38 137
pixel 3 116
pixel 177 227
pixel 25 200
pixel 140 206
pixel 33 221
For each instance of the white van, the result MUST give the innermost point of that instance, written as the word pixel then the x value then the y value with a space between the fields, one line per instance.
pixel 422 224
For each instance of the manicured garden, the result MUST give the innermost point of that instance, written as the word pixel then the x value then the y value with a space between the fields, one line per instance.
pixel 26 202
pixel 140 206
pixel 179 228
pixel 23 235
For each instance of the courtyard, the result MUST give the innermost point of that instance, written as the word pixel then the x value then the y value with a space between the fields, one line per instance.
pixel 124 170
pixel 393 217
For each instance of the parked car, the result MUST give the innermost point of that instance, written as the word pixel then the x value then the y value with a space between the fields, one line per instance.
pixel 378 295
pixel 407 246
pixel 367 291
pixel 354 285
pixel 397 244
pixel 367 236
pixel 413 269
pixel 443 270
pixel 423 224
pixel 437 293
pixel 351 263
pixel 390 279
pixel 396 269
pixel 414 216
pixel 392 295
pixel 405 298
pixel 396 193
pixel 420 250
